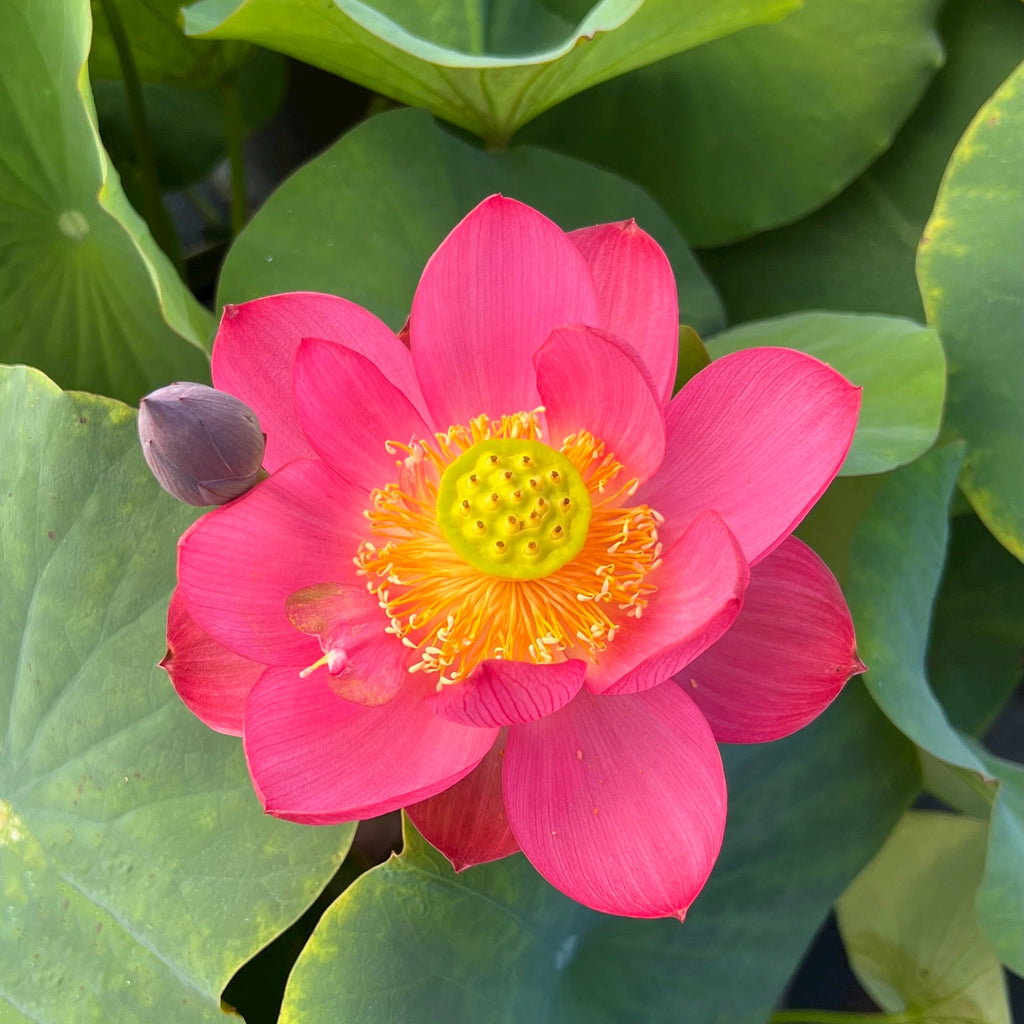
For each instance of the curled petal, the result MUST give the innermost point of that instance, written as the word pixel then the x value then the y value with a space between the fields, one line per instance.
pixel 318 759
pixel 349 411
pixel 256 345
pixel 757 436
pixel 501 692
pixel 700 591
pixel 497 286
pixel 467 822
pixel 588 380
pixel 212 681
pixel 619 802
pixel 637 291
pixel 785 658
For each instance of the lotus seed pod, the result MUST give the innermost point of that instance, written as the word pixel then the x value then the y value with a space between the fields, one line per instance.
pixel 204 446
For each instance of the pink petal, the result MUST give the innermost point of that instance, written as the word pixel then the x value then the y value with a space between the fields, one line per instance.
pixel 256 344
pixel 619 802
pixel 500 693
pixel 349 410
pixel 785 658
pixel 700 591
pixel 238 565
pixel 637 290
pixel 467 822
pixel 318 759
pixel 757 436
pixel 498 285
pixel 588 381
pixel 211 680
pixel 363 664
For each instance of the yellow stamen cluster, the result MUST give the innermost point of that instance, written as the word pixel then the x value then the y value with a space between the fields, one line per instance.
pixel 453 614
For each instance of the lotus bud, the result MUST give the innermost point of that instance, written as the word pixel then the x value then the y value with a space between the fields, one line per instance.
pixel 204 447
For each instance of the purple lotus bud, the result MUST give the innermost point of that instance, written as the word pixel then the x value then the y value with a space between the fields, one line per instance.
pixel 204 446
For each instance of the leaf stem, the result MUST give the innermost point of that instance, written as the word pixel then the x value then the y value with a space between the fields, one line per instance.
pixel 840 1017
pixel 234 134
pixel 157 217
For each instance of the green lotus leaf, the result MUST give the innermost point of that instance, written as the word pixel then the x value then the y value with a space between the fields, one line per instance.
pixel 909 926
pixel 362 219
pixel 857 253
pixel 898 363
pixel 138 870
pixel 970 265
pixel 85 294
pixel 763 126
pixel 488 66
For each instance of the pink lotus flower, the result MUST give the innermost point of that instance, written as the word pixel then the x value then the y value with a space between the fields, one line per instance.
pixel 501 578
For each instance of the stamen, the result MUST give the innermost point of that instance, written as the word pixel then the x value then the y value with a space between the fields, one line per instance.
pixel 449 613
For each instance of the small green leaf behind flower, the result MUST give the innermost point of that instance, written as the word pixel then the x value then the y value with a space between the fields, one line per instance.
pixel 899 364
pixel 909 926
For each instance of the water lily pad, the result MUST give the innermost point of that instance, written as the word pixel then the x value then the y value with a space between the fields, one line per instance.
pixel 488 66
pixel 909 926
pixel 898 363
pixel 85 293
pixel 411 940
pixel 970 265
pixel 138 870
pixel 764 126
pixel 362 219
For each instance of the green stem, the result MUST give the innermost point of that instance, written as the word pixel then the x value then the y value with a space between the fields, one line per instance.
pixel 157 217
pixel 840 1017
pixel 234 134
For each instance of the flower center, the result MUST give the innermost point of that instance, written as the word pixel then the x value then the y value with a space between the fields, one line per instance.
pixel 456 593
pixel 514 508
